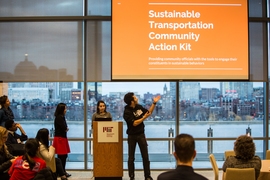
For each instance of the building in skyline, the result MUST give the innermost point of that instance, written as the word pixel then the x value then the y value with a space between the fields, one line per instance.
pixel 167 104
pixel 28 94
pixel 189 91
pixel 41 73
pixel 244 90
pixel 208 94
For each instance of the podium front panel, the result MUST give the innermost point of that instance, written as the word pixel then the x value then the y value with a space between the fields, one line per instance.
pixel 107 153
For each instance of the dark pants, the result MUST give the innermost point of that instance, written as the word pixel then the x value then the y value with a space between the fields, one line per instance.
pixel 59 168
pixel 132 141
pixel 4 176
pixel 63 158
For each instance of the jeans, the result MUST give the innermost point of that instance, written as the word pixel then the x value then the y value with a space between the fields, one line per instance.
pixel 132 141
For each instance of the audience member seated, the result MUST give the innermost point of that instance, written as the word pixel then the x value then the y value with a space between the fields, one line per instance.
pixel 184 154
pixel 6 159
pixel 15 141
pixel 28 165
pixel 5 110
pixel 245 157
pixel 47 153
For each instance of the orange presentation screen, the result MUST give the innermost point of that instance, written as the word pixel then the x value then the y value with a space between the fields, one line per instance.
pixel 180 39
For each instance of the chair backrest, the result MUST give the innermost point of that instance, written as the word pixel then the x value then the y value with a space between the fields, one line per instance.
pixel 267 154
pixel 240 173
pixel 214 165
pixel 229 153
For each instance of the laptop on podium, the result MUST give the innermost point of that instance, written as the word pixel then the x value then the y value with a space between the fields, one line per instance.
pixel 103 119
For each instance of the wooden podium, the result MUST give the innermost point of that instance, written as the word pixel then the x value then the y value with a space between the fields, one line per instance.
pixel 108 150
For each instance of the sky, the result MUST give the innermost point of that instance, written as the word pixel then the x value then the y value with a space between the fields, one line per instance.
pixel 140 87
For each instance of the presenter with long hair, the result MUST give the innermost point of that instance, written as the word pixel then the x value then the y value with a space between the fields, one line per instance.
pixel 101 112
pixel 60 141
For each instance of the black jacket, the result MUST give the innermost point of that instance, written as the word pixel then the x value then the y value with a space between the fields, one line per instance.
pixel 5 160
pixel 60 126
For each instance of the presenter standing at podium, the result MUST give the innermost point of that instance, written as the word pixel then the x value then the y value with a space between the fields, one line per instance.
pixel 101 112
pixel 134 115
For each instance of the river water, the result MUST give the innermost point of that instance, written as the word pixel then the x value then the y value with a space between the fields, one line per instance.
pixel 159 129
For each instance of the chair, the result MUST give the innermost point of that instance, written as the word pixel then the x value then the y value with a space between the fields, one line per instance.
pixel 240 173
pixel 229 153
pixel 214 165
pixel 267 154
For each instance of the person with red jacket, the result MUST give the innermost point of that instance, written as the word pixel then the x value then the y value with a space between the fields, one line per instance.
pixel 28 165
